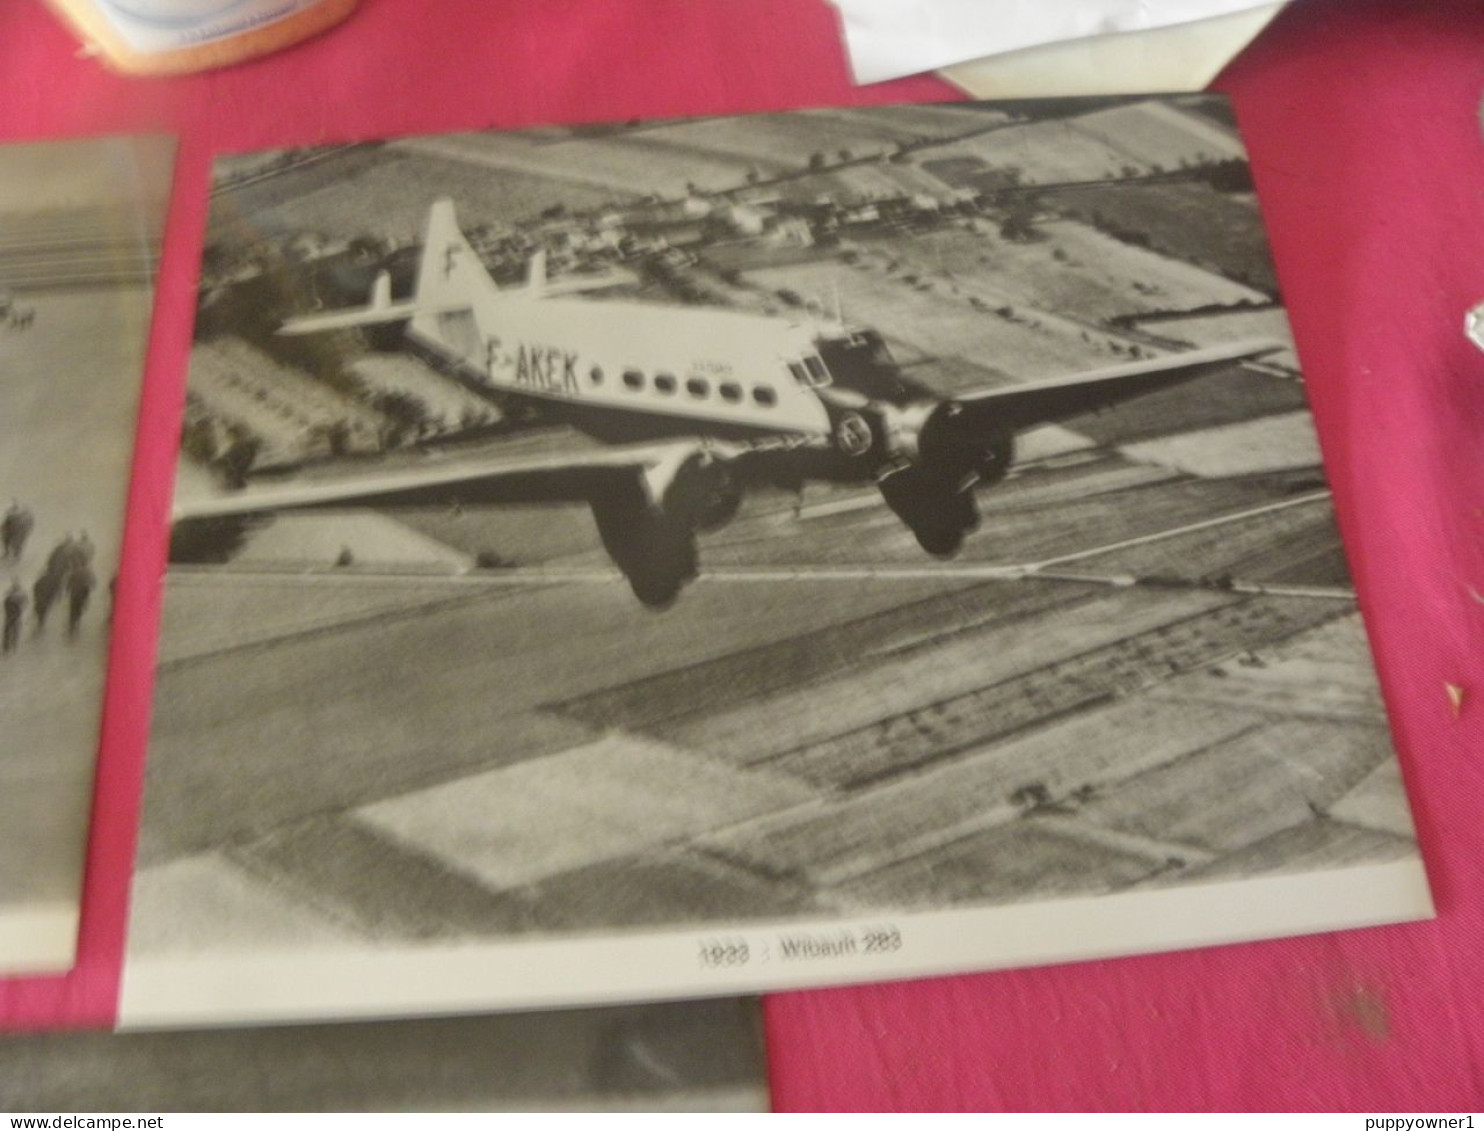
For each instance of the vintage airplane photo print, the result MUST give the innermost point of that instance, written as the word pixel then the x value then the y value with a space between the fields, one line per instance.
pixel 723 553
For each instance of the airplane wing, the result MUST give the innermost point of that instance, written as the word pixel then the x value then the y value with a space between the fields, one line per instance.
pixel 1017 407
pixel 645 502
pixel 541 478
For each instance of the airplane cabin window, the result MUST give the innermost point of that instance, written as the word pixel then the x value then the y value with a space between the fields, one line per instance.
pixel 818 374
pixel 730 392
pixel 698 387
pixel 596 375
pixel 764 395
pixel 664 382
pixel 633 378
pixel 801 375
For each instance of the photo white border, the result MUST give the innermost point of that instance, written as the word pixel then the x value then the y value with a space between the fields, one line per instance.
pixel 245 988
pixel 39 938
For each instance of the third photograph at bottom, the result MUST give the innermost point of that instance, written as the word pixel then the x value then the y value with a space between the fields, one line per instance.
pixel 681 1056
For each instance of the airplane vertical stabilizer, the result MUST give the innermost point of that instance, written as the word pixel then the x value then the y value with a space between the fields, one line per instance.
pixel 450 278
pixel 451 305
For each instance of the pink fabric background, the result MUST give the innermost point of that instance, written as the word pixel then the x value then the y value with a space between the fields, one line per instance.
pixel 1362 118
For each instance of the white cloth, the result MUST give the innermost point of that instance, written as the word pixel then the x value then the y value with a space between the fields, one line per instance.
pixel 890 38
pixel 1474 325
pixel 1179 57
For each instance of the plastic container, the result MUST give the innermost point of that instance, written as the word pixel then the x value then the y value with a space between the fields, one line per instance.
pixel 165 37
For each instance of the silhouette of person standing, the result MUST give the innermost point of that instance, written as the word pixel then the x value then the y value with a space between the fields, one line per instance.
pixel 15 612
pixel 15 528
pixel 80 585
pixel 62 558
pixel 43 594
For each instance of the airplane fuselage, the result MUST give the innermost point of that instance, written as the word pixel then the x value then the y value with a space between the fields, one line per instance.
pixel 679 365
pixel 629 372
pixel 760 398
pixel 626 370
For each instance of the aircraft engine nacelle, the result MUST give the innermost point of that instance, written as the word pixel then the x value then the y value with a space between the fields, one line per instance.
pixel 938 459
pixel 654 551
pixel 648 526
pixel 934 437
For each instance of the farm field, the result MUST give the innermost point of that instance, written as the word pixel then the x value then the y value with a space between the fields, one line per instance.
pixel 1084 765
pixel 621 167
pixel 411 754
pixel 859 183
pixel 1297 545
pixel 788 141
pixel 1236 397
pixel 988 320
pixel 1192 222
pixel 938 323
pixel 1018 528
pixel 282 406
pixel 771 146
pixel 448 402
pixel 1218 110
pixel 263 610
pixel 1323 673
pixel 1145 137
pixel 1159 135
pixel 390 198
pixel 523 536
pixel 1048 151
pixel 847 811
pixel 1281 443
pixel 1212 329
pixel 1075 270
pixel 309 173
pixel 913 123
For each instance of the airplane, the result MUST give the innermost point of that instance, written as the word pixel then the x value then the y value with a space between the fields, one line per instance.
pixel 693 406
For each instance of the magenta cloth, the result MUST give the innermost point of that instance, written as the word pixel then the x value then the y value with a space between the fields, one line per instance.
pixel 1362 117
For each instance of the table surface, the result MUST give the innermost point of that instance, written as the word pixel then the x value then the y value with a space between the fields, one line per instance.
pixel 1362 117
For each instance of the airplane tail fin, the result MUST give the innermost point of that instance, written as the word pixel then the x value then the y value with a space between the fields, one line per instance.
pixel 449 276
pixel 445 311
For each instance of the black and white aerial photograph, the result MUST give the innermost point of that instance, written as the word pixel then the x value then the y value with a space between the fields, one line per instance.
pixel 80 223
pixel 683 525
pixel 697 1056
